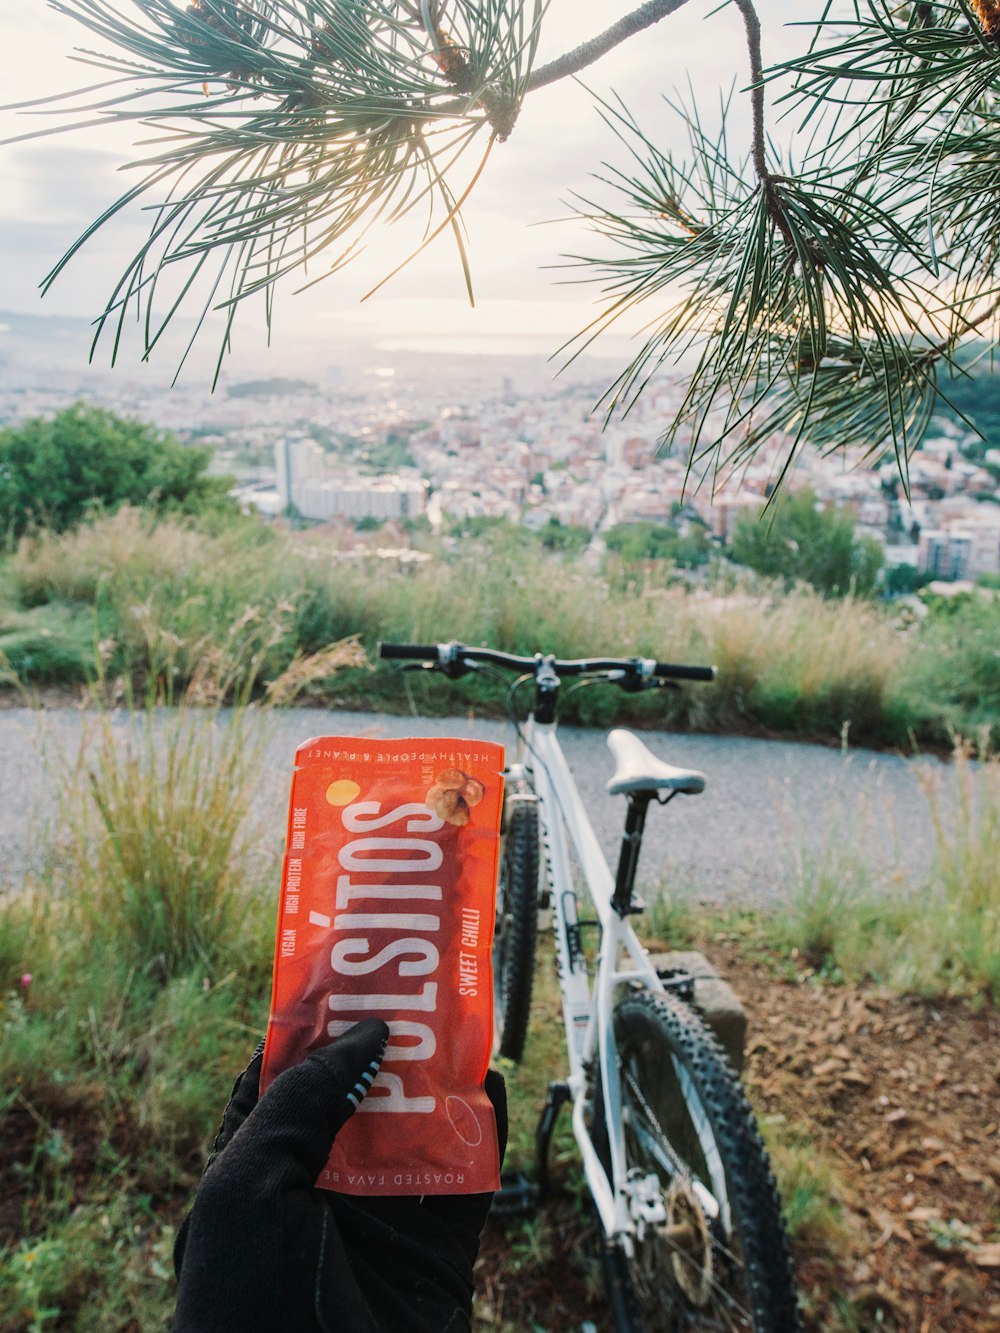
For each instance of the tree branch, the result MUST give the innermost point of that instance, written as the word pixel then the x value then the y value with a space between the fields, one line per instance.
pixel 767 181
pixel 948 345
pixel 590 52
pixel 570 63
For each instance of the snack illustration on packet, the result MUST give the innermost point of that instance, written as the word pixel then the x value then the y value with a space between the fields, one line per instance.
pixel 387 910
pixel 453 795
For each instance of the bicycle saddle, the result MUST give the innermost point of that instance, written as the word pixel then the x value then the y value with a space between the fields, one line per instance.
pixel 638 769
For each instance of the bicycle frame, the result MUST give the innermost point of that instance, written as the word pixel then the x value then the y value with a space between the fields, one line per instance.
pixel 678 1173
pixel 587 1009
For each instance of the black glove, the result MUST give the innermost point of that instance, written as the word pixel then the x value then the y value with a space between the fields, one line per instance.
pixel 262 1249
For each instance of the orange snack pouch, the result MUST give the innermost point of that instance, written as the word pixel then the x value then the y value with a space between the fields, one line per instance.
pixel 387 909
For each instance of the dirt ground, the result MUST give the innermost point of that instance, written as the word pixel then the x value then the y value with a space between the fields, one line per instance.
pixel 903 1095
pixel 900 1098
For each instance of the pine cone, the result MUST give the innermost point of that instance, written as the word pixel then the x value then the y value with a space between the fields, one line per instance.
pixel 988 14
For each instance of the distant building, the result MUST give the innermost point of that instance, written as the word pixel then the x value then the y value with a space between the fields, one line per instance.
pixel 296 461
pixel 723 511
pixel 381 497
pixel 306 484
pixel 961 550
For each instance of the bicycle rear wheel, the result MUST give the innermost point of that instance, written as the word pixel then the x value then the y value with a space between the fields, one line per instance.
pixel 711 1251
pixel 516 929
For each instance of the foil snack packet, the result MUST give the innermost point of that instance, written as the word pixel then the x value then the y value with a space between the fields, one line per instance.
pixel 387 911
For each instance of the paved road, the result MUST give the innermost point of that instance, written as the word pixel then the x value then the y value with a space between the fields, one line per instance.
pixel 768 805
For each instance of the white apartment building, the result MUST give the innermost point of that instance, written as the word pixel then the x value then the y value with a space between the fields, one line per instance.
pixel 963 549
pixel 297 462
pixel 306 482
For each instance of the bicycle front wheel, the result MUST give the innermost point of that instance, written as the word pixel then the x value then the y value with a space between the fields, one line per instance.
pixel 516 929
pixel 710 1250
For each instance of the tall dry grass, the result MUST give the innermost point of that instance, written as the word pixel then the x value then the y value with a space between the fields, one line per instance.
pixel 802 662
pixel 133 986
pixel 166 597
pixel 161 835
pixel 793 663
pixel 954 933
pixel 940 937
pixel 154 806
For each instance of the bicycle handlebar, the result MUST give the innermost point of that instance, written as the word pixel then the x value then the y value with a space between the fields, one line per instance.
pixel 457 656
pixel 421 652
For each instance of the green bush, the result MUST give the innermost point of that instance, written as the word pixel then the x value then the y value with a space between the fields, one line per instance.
pixel 635 542
pixel 54 471
pixel 798 541
pixel 53 645
pixel 954 670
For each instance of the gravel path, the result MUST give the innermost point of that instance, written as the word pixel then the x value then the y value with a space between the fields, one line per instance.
pixel 768 807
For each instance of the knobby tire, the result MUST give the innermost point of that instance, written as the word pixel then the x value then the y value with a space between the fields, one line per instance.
pixel 728 1273
pixel 516 930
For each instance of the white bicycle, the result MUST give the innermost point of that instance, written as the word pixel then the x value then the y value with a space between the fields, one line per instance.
pixel 693 1236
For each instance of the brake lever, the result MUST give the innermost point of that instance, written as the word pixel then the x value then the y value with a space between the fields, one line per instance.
pixel 456 670
pixel 633 684
pixel 636 684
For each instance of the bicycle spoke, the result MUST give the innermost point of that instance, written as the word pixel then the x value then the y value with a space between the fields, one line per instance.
pixel 706 1138
pixel 654 1143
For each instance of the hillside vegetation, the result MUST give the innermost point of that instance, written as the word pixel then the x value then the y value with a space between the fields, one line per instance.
pixel 53 472
pixel 127 565
pixel 151 601
pixel 122 1031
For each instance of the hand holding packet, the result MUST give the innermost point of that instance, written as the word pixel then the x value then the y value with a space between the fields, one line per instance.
pixel 387 911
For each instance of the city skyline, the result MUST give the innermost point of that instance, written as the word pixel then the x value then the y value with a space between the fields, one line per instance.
pixel 57 185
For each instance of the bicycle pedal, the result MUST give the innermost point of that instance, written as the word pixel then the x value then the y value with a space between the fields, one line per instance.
pixel 516 1197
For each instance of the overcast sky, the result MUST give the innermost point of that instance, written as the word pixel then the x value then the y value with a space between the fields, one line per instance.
pixel 54 187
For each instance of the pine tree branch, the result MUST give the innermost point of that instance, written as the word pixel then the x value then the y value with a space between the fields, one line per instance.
pixel 942 350
pixel 758 150
pixel 590 52
pixel 572 62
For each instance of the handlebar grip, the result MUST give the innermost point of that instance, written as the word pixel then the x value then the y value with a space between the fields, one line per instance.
pixel 419 652
pixel 685 672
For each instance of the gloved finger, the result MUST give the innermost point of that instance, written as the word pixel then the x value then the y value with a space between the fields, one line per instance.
pixel 294 1124
pixel 242 1100
pixel 256 1215
pixel 465 1214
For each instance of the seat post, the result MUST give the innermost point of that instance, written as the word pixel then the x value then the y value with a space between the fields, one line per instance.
pixel 628 861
